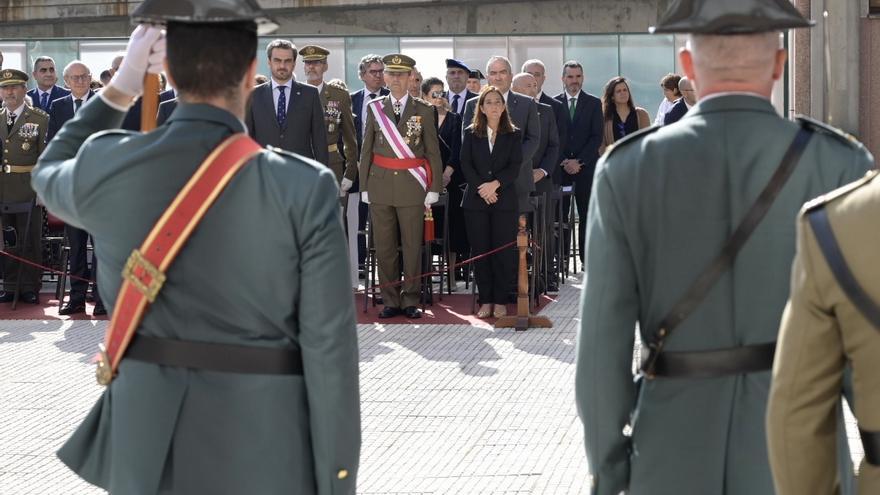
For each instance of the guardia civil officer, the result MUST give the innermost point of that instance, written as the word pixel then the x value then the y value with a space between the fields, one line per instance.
pixel 832 321
pixel 399 177
pixel 23 131
pixel 683 247
pixel 242 375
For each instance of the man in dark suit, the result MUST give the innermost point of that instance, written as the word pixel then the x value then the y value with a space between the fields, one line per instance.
pixel 132 121
pixel 166 108
pixel 456 78
pixel 581 149
pixel 77 77
pixel 371 71
pixel 46 91
pixel 681 107
pixel 284 113
pixel 544 162
pixel 536 68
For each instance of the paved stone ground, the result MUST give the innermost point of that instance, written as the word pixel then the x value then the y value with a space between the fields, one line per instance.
pixel 449 409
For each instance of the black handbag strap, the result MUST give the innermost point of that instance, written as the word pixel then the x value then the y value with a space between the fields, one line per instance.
pixel 712 273
pixel 837 263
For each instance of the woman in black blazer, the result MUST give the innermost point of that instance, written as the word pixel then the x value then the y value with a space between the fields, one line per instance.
pixel 491 155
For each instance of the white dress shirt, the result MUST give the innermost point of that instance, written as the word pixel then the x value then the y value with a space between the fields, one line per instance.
pixel 664 108
pixel 491 135
pixel 276 93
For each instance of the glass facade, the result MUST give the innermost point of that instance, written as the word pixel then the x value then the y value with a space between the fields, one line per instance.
pixel 644 59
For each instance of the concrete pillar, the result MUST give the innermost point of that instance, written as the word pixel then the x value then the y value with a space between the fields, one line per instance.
pixel 799 64
pixel 835 78
pixel 870 85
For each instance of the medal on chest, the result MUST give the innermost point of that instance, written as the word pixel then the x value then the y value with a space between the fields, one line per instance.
pixel 28 131
pixel 333 116
pixel 413 130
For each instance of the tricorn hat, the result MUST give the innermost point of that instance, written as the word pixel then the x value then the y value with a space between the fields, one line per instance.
pixel 730 17
pixel 476 74
pixel 204 12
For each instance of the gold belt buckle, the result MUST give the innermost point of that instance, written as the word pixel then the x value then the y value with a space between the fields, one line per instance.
pixel 149 288
pixel 104 371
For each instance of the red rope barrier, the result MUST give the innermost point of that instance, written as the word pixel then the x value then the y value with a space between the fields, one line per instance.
pixel 37 265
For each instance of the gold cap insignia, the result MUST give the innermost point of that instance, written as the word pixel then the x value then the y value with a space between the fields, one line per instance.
pixel 396 60
pixel 310 50
pixel 7 75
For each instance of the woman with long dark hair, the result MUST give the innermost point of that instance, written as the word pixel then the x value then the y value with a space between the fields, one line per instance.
pixel 622 116
pixel 491 154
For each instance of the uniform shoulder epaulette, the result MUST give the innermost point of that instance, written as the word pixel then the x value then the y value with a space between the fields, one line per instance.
pixel 39 111
pixel 840 191
pixel 423 102
pixel 299 158
pixel 631 138
pixel 823 128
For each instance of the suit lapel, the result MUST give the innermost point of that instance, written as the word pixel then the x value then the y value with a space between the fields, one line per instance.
pixel 269 102
pixel 579 106
pixel 325 95
pixel 3 133
pixel 388 108
pixel 18 121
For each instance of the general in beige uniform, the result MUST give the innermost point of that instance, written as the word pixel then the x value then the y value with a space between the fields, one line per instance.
pixel 397 200
pixel 23 135
pixel 823 331
pixel 338 119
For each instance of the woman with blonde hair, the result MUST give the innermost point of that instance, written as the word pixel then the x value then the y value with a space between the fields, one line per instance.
pixel 622 116
pixel 491 154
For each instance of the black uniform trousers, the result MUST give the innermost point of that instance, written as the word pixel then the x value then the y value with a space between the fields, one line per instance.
pixel 487 230
pixel 78 240
pixel 31 276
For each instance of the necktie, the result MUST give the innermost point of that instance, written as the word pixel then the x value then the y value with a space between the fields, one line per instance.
pixel 282 107
pixel 396 106
pixel 76 104
pixel 44 101
pixel 455 103
pixel 571 104
pixel 372 96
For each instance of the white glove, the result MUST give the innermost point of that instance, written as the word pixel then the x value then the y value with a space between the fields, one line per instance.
pixel 346 185
pixel 364 197
pixel 431 198
pixel 145 54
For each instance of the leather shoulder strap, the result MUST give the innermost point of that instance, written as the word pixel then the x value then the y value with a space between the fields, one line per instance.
pixel 712 273
pixel 818 219
pixel 145 270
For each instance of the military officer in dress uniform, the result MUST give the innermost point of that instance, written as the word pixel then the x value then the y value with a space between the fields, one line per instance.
pixel 399 178
pixel 238 379
pixel 338 118
pixel 23 133
pixel 658 220
pixel 832 321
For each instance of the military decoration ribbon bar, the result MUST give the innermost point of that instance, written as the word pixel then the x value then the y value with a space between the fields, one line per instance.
pixel 144 272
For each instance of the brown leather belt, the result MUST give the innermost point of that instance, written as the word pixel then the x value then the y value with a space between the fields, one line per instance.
pixel 715 363
pixel 871 443
pixel 228 358
pixel 18 169
pixel 333 147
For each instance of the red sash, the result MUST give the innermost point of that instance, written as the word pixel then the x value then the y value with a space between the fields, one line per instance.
pixel 144 272
pixel 404 164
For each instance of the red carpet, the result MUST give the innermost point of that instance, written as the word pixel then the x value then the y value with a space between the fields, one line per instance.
pixel 46 310
pixel 454 309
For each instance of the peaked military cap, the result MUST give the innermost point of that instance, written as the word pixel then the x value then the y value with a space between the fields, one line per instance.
pixel 476 74
pixel 204 12
pixel 398 62
pixel 11 77
pixel 730 17
pixel 451 63
pixel 313 53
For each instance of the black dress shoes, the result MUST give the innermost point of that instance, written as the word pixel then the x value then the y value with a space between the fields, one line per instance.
pixel 29 298
pixel 72 309
pixel 6 297
pixel 389 312
pixel 99 310
pixel 412 312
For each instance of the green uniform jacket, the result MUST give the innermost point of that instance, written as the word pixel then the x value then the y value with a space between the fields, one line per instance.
pixel 22 146
pixel 663 204
pixel 265 267
pixel 399 187
pixel 822 331
pixel 339 121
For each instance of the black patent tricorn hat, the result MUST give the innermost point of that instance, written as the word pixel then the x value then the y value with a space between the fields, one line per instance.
pixel 730 17
pixel 204 12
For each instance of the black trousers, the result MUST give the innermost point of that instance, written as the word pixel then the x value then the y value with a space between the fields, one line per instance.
pixel 79 267
pixel 582 186
pixel 489 229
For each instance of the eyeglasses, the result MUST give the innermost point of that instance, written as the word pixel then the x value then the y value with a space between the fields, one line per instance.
pixel 375 73
pixel 82 78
